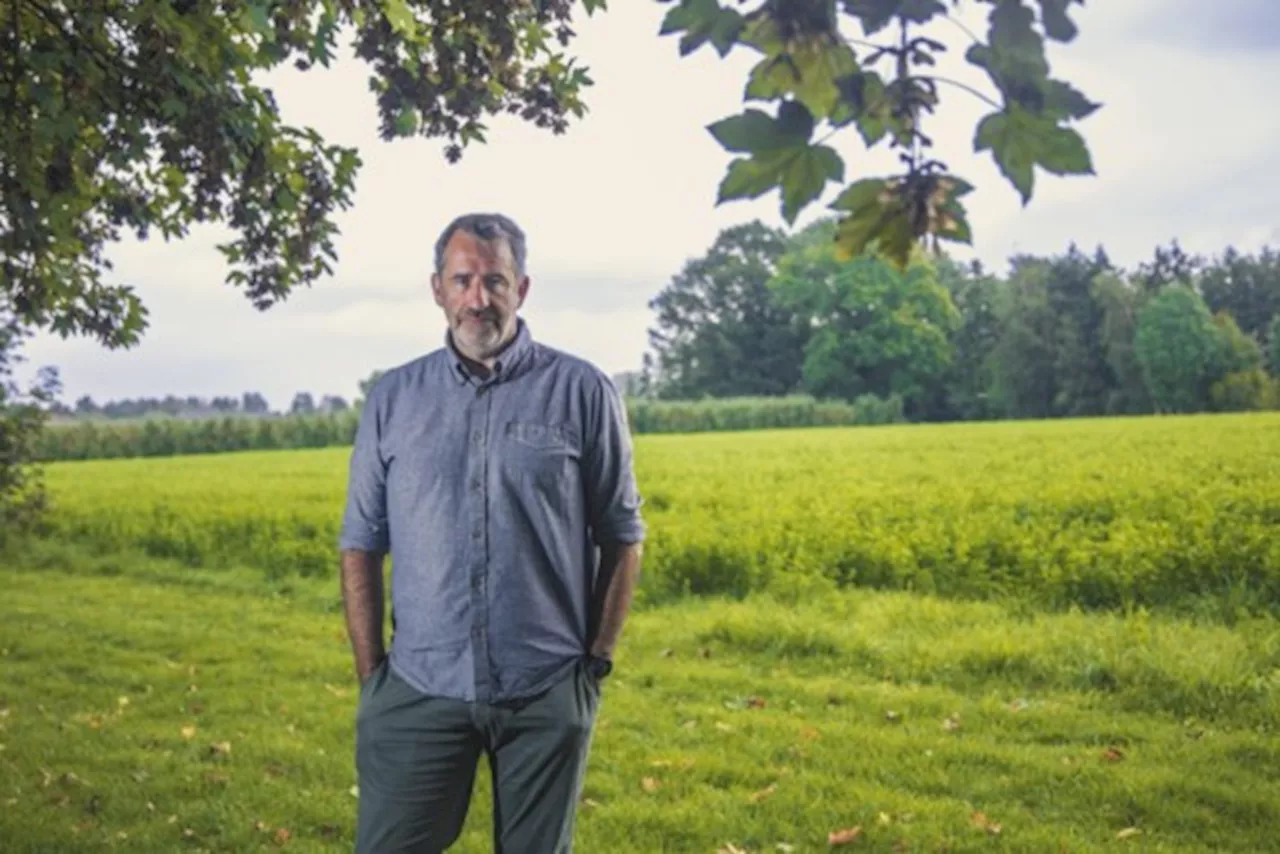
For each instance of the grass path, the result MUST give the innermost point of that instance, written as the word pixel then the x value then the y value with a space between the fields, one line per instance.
pixel 141 715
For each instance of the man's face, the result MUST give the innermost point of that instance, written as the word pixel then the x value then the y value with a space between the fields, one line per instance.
pixel 480 292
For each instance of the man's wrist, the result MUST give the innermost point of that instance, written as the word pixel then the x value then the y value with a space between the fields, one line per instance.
pixel 599 665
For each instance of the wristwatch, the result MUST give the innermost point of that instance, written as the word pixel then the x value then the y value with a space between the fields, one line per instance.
pixel 599 666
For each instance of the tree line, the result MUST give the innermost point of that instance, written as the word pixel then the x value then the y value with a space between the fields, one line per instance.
pixel 767 313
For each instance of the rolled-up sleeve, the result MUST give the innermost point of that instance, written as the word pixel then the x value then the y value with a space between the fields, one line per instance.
pixel 612 493
pixel 364 521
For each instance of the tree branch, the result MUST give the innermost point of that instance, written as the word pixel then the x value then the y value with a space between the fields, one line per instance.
pixel 966 87
pixel 968 32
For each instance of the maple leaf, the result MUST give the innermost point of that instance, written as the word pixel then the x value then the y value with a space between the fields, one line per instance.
pixel 845 837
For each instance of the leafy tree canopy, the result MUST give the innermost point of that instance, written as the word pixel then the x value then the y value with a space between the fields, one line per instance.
pixel 147 117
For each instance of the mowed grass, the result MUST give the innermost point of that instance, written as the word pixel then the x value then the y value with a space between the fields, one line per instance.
pixel 143 709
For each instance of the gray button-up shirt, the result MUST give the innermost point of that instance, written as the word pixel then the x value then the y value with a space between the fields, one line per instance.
pixel 491 497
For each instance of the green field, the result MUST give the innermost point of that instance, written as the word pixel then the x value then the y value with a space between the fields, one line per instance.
pixel 1058 636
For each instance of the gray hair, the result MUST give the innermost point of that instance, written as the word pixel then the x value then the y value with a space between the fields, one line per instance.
pixel 487 227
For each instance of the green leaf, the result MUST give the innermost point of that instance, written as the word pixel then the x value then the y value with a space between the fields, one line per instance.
pixel 688 15
pixel 876 215
pixel 406 121
pixel 258 19
pixel 806 176
pixel 801 171
pixel 878 14
pixel 703 21
pixel 755 131
pixel 810 70
pixel 864 99
pixel 1062 101
pixel 1018 48
pixel 1019 140
pixel 727 29
pixel 1053 15
pixel 750 178
pixel 400 17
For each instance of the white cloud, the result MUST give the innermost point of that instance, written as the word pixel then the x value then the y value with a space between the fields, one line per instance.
pixel 1183 146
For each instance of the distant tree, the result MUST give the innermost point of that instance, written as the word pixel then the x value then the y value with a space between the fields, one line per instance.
pixel 965 389
pixel 874 329
pixel 1180 350
pixel 1273 347
pixel 303 404
pixel 1084 380
pixel 86 406
pixel 254 403
pixel 1120 302
pixel 366 387
pixel 1024 365
pixel 224 404
pixel 1168 266
pixel 330 404
pixel 1245 286
pixel 1240 351
pixel 720 331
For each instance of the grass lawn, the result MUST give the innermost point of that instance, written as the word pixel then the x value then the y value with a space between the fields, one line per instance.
pixel 147 707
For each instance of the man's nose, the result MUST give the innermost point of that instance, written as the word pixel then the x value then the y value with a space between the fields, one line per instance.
pixel 476 296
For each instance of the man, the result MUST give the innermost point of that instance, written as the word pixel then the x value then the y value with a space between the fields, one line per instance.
pixel 497 474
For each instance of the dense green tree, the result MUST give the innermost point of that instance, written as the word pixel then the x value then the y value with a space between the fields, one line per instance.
pixel 966 386
pixel 1273 347
pixel 874 329
pixel 1245 286
pixel 1119 301
pixel 1084 378
pixel 1024 379
pixel 720 331
pixel 23 410
pixel 1240 352
pixel 1180 349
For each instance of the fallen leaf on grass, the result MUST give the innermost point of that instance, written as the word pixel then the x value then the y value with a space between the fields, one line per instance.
pixel 755 702
pixel 336 691
pixel 282 836
pixel 1112 754
pixel 649 784
pixel 730 848
pixel 884 818
pixel 667 653
pixel 845 837
pixel 189 731
pixel 188 833
pixel 980 821
pixel 892 717
pixel 590 803
pixel 220 748
pixel 810 733
pixel 122 701
pixel 757 797
pixel 952 724
pixel 785 847
pixel 1128 832
pixel 723 727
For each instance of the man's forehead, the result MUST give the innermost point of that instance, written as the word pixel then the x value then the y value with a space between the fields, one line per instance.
pixel 468 251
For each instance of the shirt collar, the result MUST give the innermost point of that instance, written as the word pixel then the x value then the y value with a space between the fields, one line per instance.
pixel 511 357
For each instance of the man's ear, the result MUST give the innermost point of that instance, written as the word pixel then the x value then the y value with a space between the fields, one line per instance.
pixel 523 290
pixel 435 289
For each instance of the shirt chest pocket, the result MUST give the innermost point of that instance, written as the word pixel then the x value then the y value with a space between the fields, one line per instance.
pixel 541 454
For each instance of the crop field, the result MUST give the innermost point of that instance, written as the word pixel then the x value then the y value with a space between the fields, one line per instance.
pixel 1056 636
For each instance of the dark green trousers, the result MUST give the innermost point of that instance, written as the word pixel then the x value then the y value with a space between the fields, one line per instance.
pixel 416 757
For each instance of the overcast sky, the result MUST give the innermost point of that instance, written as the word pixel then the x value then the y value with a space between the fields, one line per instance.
pixel 1184 147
